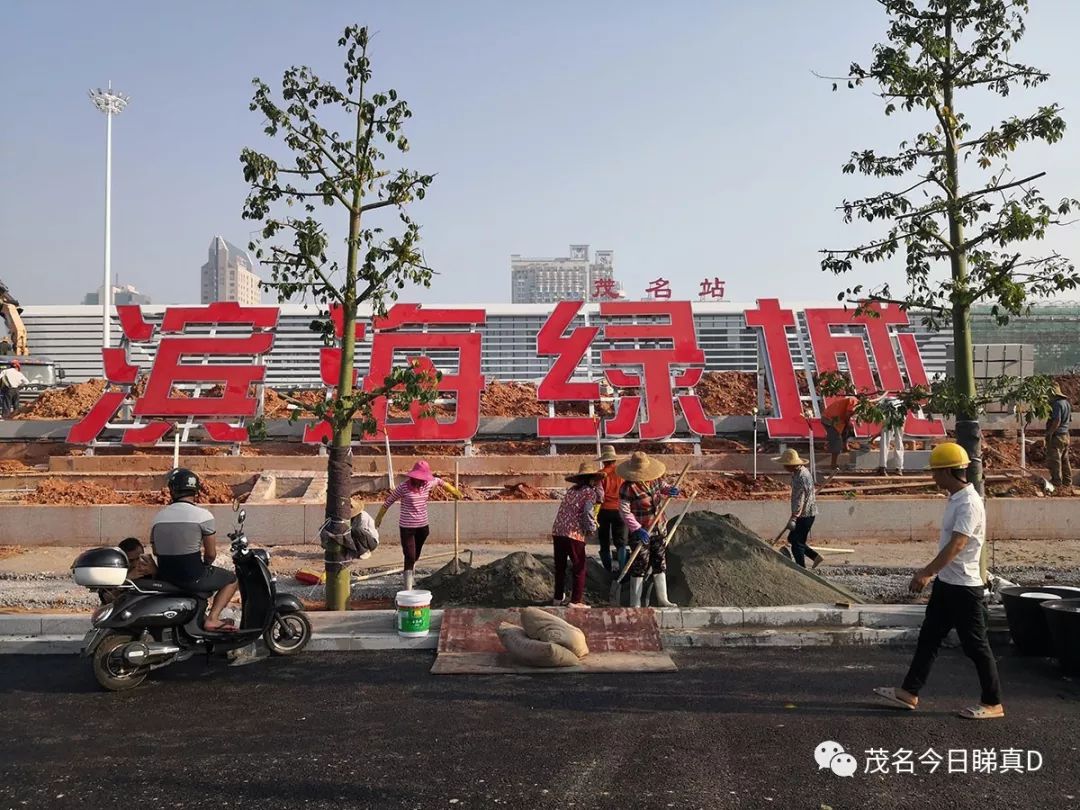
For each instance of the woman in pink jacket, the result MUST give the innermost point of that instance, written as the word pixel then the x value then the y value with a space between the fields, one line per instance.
pixel 413 494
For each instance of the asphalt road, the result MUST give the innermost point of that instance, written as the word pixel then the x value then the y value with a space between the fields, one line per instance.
pixel 733 728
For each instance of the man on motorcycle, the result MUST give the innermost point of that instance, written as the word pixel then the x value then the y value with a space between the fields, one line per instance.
pixel 182 536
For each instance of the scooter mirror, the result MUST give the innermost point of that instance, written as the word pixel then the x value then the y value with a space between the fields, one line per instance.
pixel 236 505
pixel 243 515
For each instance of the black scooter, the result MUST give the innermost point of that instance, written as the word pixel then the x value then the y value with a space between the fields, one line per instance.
pixel 154 624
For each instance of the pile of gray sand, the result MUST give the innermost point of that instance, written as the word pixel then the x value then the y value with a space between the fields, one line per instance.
pixel 714 561
pixel 516 580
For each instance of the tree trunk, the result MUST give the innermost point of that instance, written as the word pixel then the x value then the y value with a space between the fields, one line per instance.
pixel 339 466
pixel 338 486
pixel 968 434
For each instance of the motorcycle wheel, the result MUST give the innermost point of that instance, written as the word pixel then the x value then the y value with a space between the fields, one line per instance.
pixel 288 633
pixel 110 668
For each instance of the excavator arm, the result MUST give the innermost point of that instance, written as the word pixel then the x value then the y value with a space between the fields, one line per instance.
pixel 10 311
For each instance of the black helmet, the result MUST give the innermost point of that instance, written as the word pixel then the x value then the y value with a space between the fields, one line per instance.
pixel 182 483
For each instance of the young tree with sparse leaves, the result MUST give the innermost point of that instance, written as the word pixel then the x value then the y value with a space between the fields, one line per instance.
pixel 325 172
pixel 958 216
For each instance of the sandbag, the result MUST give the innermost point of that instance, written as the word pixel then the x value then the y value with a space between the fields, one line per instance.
pixel 544 626
pixel 530 652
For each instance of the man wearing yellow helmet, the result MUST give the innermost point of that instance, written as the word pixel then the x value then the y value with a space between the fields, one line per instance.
pixel 957 599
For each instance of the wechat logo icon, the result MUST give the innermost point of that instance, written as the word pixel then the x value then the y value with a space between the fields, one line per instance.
pixel 831 755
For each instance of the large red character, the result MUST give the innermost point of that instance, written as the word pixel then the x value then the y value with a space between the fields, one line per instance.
pixel 774 324
pixel 388 341
pixel 169 369
pixel 557 385
pixel 882 356
pixel 653 375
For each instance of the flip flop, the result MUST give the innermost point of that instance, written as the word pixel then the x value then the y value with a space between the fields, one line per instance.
pixel 981 712
pixel 889 694
pixel 225 626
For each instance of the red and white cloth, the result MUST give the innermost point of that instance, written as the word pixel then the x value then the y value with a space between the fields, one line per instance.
pixel 413 496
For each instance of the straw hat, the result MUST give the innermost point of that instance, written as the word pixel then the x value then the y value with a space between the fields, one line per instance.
pixel 1056 389
pixel 587 469
pixel 641 468
pixel 357 504
pixel 421 471
pixel 791 458
pixel 607 453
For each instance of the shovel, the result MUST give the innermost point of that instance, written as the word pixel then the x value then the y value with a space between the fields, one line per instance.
pixel 615 596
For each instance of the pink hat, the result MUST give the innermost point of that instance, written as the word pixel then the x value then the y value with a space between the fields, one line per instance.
pixel 421 471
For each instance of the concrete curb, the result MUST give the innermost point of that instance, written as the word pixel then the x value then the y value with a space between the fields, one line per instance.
pixel 789 626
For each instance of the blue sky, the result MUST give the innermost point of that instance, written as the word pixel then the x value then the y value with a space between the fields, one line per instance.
pixel 689 137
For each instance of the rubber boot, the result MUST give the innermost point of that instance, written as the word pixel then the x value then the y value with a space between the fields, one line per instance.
pixel 660 583
pixel 637 585
pixel 407 580
pixel 624 555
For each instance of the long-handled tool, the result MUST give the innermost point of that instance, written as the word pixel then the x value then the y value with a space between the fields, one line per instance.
pixel 668 537
pixel 616 586
pixel 776 541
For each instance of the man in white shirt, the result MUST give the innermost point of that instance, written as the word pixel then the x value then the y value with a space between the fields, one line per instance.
pixel 958 596
pixel 11 380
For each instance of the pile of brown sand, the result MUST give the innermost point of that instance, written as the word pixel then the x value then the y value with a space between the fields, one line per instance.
pixel 715 560
pixel 511 399
pixel 519 579
pixel 521 492
pixel 727 393
pixel 71 402
pixel 58 492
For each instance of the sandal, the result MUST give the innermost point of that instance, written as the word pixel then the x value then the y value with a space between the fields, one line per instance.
pixel 223 626
pixel 889 693
pixel 981 712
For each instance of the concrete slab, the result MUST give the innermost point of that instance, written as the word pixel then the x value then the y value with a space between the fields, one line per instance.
pixel 20 625
pixel 346 642
pixel 703 618
pixel 40 645
pixel 801 615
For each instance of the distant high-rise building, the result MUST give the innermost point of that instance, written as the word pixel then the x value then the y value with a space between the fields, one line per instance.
pixel 229 275
pixel 122 295
pixel 570 278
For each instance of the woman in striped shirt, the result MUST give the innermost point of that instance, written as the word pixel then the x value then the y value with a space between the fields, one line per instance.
pixel 413 494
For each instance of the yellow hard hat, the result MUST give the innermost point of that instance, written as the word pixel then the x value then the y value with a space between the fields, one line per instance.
pixel 947 456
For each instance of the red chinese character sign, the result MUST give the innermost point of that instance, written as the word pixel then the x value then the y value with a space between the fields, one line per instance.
pixel 183 360
pixel 873 330
pixel 712 289
pixel 392 340
pixel 659 290
pixel 605 288
pixel 646 376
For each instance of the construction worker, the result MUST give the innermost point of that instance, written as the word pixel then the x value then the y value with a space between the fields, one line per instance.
pixel 612 529
pixel 11 380
pixel 892 433
pixel 639 501
pixel 803 507
pixel 1057 439
pixel 837 420
pixel 574 523
pixel 958 598
pixel 413 493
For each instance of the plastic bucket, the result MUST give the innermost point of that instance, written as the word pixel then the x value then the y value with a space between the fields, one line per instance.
pixel 413 613
pixel 1063 619
pixel 1027 623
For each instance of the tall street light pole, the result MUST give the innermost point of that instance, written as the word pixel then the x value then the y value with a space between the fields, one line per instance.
pixel 111 103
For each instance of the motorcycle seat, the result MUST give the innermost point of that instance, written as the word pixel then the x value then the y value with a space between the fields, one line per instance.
pixel 160 586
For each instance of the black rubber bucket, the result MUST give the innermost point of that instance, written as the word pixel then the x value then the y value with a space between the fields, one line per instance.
pixel 1063 620
pixel 1027 623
